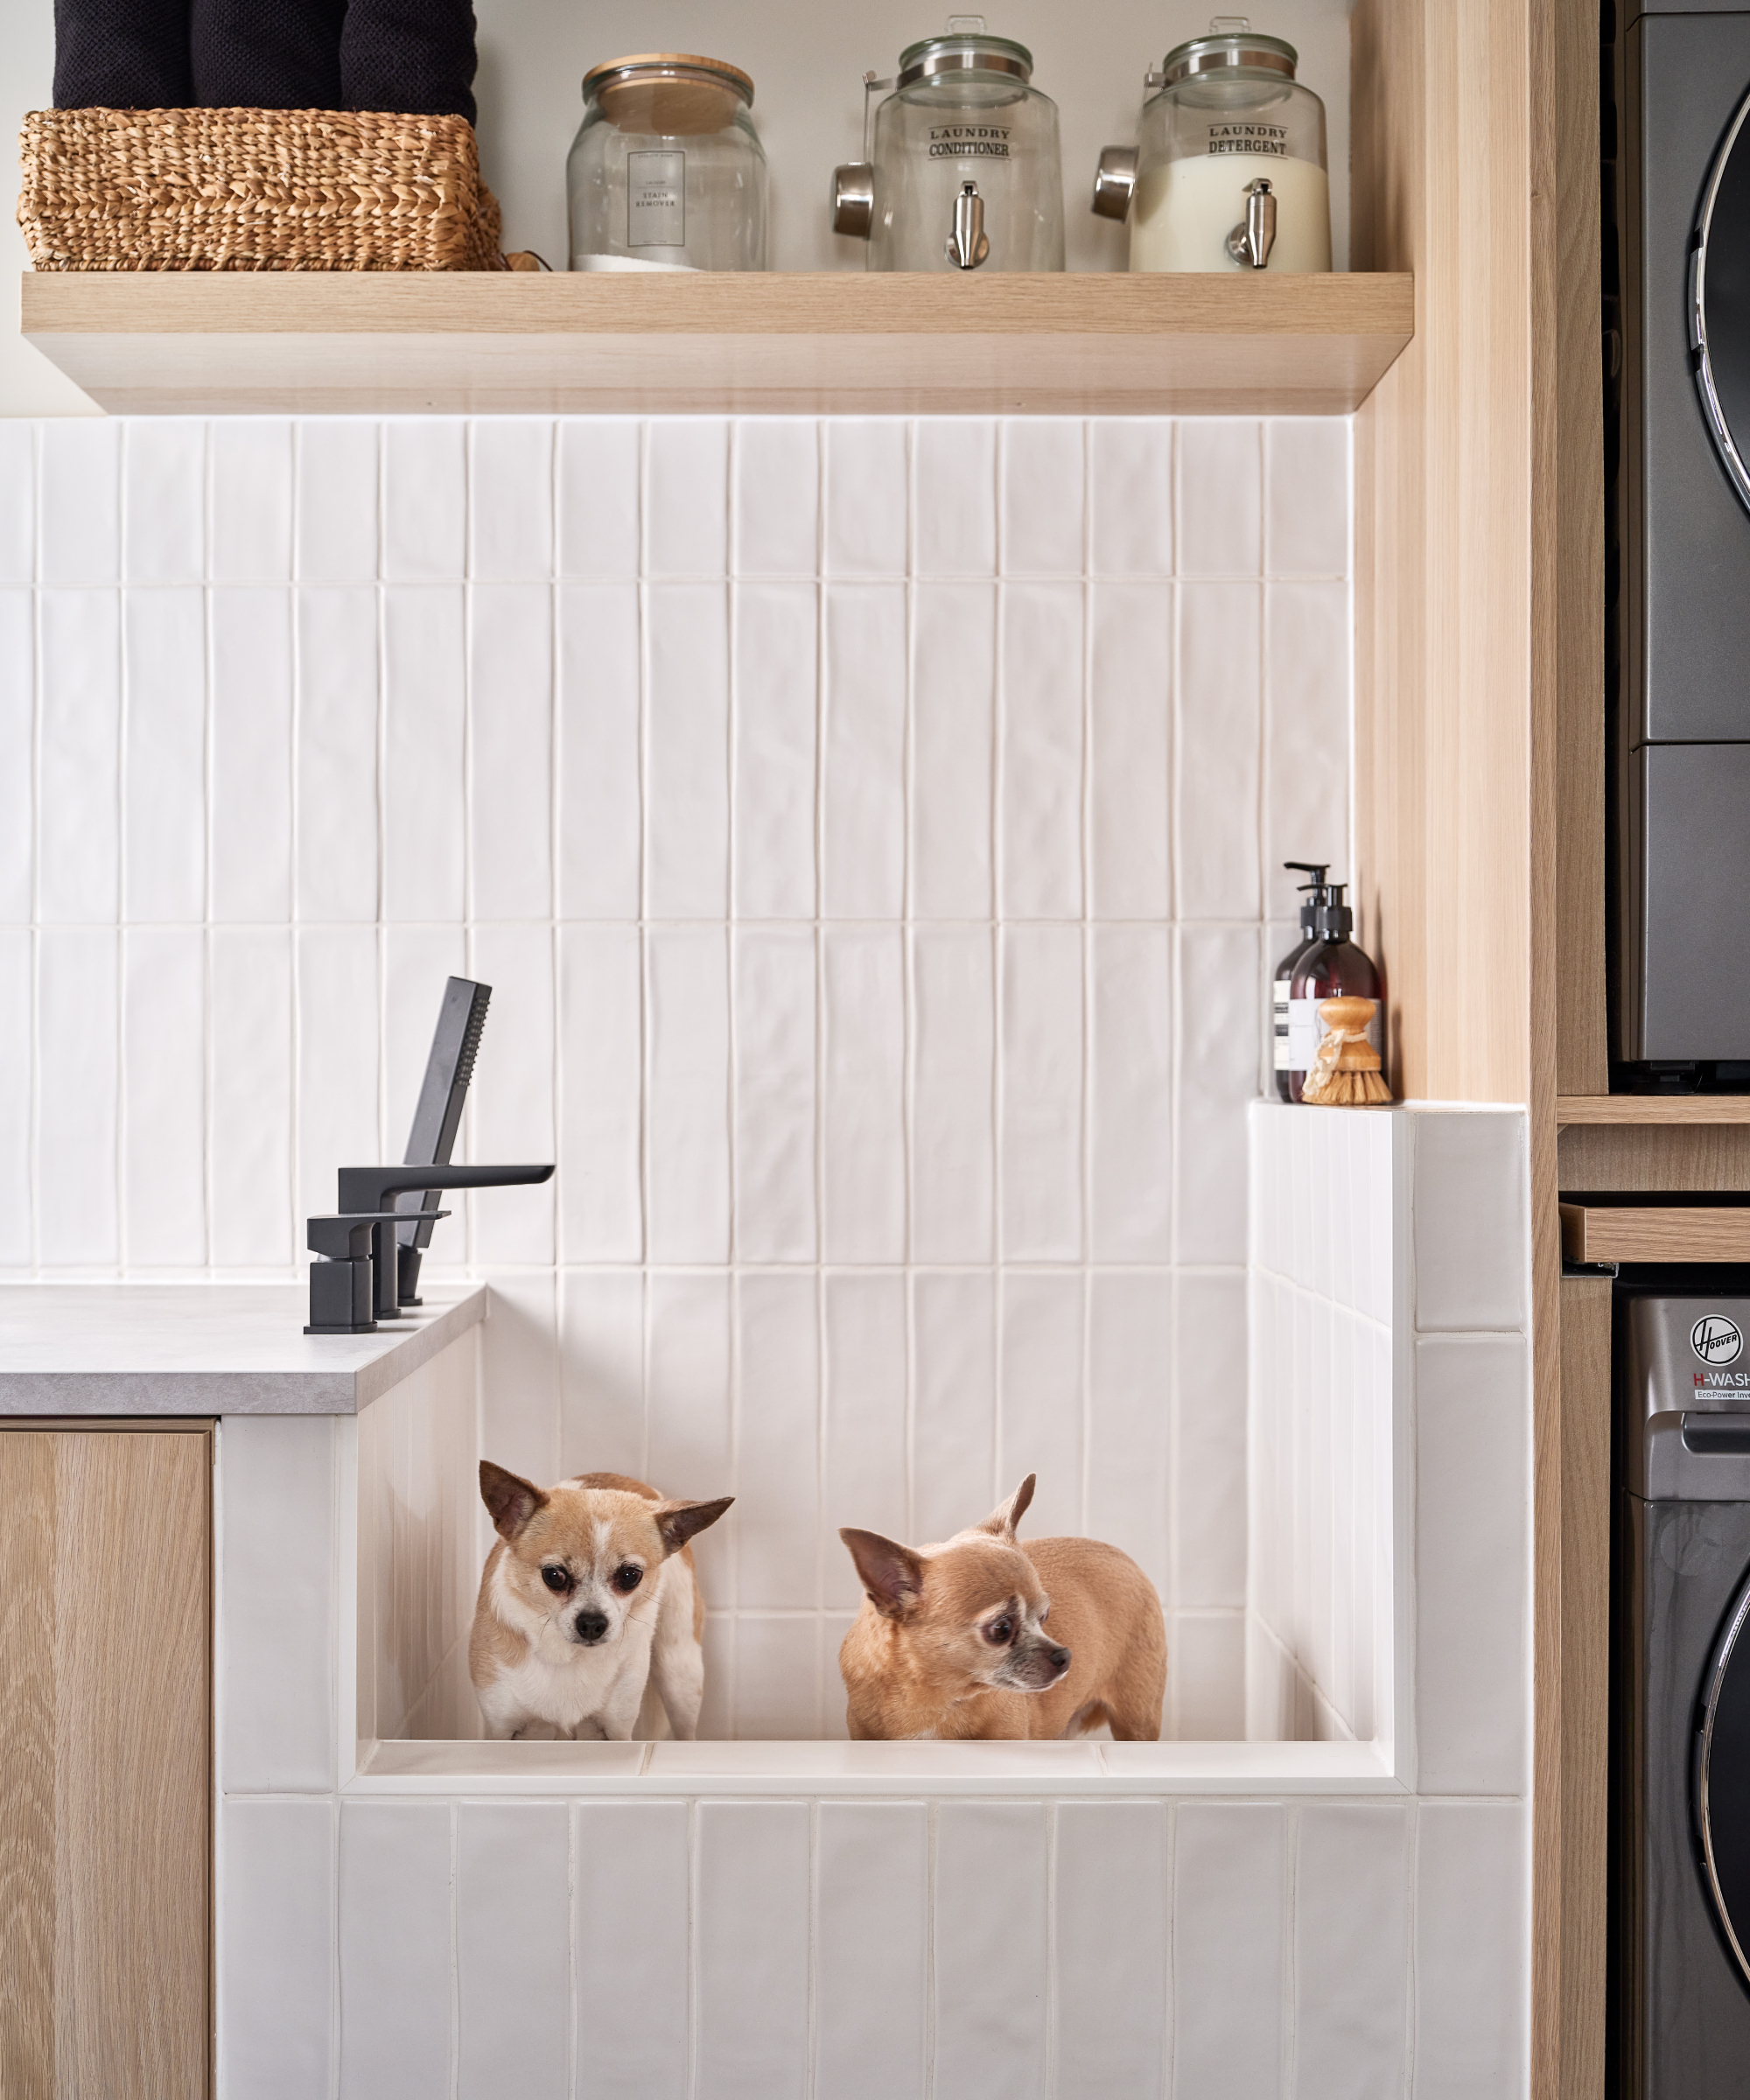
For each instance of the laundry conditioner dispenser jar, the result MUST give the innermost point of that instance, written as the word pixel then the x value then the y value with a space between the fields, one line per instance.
pixel 961 168
pixel 1229 169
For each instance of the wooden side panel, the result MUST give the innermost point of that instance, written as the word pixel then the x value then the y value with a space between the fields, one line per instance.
pixel 106 1646
pixel 1571 1320
pixel 1387 65
pixel 1447 465
pixel 1573 1708
pixel 27 1910
pixel 1576 959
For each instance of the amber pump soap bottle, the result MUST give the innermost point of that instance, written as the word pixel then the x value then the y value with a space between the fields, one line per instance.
pixel 1334 967
pixel 1284 969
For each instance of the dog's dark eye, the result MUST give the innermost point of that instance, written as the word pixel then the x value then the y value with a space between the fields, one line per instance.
pixel 556 1579
pixel 628 1578
pixel 1000 1632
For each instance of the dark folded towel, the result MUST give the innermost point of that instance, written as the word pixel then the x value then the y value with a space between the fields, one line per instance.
pixel 413 56
pixel 266 54
pixel 122 54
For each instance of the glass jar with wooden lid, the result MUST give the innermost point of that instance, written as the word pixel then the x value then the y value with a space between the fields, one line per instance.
pixel 667 172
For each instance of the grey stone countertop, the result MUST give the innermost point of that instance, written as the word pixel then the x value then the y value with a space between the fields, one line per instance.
pixel 205 1349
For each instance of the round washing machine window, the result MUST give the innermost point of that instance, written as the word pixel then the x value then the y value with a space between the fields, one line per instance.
pixel 1719 302
pixel 1722 1780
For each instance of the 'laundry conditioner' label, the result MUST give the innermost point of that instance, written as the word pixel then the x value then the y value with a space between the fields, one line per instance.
pixel 969 141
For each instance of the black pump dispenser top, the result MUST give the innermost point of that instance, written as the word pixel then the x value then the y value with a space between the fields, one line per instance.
pixel 1335 920
pixel 1318 887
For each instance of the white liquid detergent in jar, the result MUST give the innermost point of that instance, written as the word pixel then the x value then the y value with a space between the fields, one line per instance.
pixel 1228 168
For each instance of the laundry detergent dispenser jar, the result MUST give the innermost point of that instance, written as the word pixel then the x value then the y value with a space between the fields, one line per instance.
pixel 962 171
pixel 1229 169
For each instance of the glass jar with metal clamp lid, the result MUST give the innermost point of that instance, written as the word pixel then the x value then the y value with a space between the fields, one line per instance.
pixel 1229 171
pixel 964 171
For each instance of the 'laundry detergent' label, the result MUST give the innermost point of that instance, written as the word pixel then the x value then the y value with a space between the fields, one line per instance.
pixel 1249 138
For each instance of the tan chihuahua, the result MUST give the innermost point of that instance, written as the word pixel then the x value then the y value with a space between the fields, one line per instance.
pixel 590 1594
pixel 951 1642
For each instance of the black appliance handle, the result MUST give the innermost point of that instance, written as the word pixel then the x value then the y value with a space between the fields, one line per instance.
pixel 1721 1435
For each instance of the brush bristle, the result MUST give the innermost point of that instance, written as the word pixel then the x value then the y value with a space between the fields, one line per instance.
pixel 1350 1090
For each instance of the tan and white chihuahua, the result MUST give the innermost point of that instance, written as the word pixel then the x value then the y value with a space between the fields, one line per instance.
pixel 952 1640
pixel 589 1595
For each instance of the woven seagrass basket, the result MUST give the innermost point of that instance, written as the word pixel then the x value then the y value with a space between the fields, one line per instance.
pixel 254 189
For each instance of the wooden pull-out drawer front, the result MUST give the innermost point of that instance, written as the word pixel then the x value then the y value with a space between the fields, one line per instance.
pixel 1600 1232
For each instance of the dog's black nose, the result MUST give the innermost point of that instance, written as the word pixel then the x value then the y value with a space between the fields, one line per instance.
pixel 1060 1657
pixel 591 1625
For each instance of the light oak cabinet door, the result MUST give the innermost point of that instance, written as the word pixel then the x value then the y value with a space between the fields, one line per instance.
pixel 105 1761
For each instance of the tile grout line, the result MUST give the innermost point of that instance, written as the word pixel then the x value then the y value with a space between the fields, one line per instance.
pixel 1090 1045
pixel 123 945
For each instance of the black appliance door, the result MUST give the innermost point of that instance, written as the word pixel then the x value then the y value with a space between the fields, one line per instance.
pixel 1722 1782
pixel 1690 822
pixel 1686 541
pixel 1719 302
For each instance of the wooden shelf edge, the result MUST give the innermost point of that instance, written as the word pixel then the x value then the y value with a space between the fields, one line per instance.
pixel 1097 344
pixel 1604 1233
pixel 1652 1109
pixel 1337 303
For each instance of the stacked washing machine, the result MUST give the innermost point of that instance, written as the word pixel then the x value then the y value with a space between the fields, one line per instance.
pixel 1676 271
pixel 1682 1766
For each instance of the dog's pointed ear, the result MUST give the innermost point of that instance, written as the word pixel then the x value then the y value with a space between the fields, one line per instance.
pixel 1004 1518
pixel 892 1576
pixel 510 1500
pixel 678 1522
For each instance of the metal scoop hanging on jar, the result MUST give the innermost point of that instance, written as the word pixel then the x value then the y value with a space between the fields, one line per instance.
pixel 960 167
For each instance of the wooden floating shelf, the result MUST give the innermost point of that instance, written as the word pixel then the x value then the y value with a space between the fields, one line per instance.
pixel 205 343
pixel 1663 1108
pixel 1604 1233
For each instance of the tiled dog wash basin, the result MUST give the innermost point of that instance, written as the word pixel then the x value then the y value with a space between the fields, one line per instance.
pixel 456 1888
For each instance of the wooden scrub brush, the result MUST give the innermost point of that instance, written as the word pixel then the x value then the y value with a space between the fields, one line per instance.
pixel 1345 1073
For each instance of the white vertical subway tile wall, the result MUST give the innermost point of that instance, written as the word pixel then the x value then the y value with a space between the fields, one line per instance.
pixel 869 830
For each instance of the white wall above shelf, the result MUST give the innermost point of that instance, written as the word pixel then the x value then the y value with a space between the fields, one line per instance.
pixel 214 343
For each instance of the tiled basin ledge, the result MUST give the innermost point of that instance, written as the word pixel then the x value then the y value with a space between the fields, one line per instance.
pixel 885 1769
